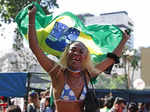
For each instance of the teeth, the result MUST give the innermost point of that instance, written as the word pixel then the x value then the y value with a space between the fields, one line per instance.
pixel 76 59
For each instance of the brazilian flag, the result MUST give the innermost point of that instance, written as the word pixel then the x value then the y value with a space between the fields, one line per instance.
pixel 54 33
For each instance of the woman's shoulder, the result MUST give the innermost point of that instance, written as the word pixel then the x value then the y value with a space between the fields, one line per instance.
pixel 57 73
pixel 56 68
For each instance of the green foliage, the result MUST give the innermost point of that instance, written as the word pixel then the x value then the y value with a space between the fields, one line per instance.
pixel 10 8
pixel 135 60
pixel 111 82
pixel 18 41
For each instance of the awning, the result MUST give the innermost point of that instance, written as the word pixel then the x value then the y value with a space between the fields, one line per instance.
pixel 13 84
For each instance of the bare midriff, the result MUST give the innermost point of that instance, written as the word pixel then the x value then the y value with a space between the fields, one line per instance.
pixel 68 106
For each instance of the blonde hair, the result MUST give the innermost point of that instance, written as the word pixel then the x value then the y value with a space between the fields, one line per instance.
pixel 87 63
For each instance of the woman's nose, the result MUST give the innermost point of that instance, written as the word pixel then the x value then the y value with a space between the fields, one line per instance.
pixel 76 52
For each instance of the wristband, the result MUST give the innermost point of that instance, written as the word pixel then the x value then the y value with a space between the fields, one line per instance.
pixel 114 57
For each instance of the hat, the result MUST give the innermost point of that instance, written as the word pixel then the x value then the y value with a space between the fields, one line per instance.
pixel 33 94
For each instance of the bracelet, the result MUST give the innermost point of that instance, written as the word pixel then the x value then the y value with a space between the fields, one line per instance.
pixel 114 57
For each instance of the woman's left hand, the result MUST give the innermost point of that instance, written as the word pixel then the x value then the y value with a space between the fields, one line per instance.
pixel 125 35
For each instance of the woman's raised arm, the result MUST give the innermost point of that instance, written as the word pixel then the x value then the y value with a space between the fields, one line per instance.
pixel 44 61
pixel 109 61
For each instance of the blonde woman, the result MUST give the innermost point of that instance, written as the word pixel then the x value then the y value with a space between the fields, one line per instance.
pixel 68 83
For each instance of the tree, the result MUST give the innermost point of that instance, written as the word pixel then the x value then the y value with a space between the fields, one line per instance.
pixel 10 8
pixel 134 61
pixel 130 63
pixel 111 82
pixel 21 59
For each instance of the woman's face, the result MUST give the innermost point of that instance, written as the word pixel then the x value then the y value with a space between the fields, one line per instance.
pixel 76 55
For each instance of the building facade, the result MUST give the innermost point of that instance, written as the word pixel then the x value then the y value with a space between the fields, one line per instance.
pixel 145 63
pixel 120 19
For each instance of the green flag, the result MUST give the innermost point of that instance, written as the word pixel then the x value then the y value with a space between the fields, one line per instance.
pixel 54 33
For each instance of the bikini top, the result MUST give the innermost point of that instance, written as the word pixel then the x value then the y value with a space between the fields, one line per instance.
pixel 68 94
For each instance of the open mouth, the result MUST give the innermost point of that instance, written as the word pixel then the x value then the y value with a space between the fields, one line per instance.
pixel 76 59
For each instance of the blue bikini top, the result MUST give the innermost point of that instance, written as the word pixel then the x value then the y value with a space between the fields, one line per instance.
pixel 68 94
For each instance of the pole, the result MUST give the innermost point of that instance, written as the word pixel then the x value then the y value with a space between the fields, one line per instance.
pixel 28 85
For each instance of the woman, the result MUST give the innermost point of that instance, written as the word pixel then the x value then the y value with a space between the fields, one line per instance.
pixel 67 80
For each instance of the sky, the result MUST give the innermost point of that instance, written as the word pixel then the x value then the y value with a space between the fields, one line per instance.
pixel 6 40
pixel 138 11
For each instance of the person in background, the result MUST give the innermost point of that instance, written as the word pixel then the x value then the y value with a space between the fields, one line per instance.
pixel 13 108
pixel 68 75
pixel 25 106
pixel 47 105
pixel 42 101
pixel 133 107
pixel 108 104
pixel 33 102
pixel 119 105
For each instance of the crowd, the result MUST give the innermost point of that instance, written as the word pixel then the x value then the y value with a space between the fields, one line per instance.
pixel 118 104
pixel 40 102
pixel 36 102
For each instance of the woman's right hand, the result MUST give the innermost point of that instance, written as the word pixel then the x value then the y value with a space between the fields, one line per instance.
pixel 44 61
pixel 32 11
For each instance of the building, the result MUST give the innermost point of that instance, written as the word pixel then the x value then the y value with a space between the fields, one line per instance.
pixel 145 63
pixel 120 19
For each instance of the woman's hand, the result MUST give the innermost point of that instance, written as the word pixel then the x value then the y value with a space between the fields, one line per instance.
pixel 32 11
pixel 125 35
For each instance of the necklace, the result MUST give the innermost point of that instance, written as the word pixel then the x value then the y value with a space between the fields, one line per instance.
pixel 76 71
